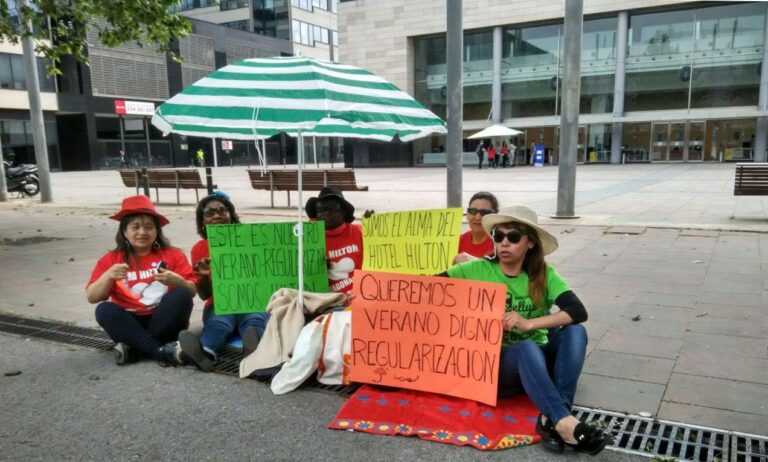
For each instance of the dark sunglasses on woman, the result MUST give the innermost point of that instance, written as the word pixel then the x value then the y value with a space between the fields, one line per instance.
pixel 513 236
pixel 482 212
pixel 221 211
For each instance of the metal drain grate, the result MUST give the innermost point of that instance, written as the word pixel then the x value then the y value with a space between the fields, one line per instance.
pixel 677 441
pixel 747 448
pixel 55 332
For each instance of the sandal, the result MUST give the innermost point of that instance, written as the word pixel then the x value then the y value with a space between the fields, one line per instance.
pixel 550 438
pixel 589 439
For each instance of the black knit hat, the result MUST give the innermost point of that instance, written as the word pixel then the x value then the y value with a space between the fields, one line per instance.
pixel 334 193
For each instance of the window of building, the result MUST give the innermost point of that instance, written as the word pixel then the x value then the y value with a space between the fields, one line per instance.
pixel 13 75
pixel 108 128
pixel 186 5
pixel 270 17
pixel 695 58
pixel 322 4
pixel 239 25
pixel 333 4
pixel 335 36
pixel 232 4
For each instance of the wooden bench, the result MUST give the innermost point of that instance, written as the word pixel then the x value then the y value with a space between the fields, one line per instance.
pixel 751 179
pixel 165 179
pixel 311 180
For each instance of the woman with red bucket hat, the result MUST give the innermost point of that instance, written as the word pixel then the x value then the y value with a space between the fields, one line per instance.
pixel 144 287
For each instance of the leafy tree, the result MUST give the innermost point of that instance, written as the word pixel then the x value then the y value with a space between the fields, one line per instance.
pixel 116 21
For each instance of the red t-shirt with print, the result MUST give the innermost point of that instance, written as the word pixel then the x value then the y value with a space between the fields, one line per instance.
pixel 476 250
pixel 344 249
pixel 199 251
pixel 139 292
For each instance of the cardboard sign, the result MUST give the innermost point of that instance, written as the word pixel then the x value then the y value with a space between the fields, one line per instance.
pixel 434 334
pixel 421 242
pixel 249 262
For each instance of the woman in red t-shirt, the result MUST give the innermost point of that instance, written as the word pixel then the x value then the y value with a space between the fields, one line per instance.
pixel 144 287
pixel 204 349
pixel 475 243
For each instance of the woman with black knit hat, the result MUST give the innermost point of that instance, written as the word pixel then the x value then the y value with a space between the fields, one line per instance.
pixel 343 239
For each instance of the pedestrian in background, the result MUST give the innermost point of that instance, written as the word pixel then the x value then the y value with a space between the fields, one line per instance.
pixel 480 151
pixel 200 157
pixel 123 161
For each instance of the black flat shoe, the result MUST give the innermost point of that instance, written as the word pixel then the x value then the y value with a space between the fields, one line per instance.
pixel 550 439
pixel 589 439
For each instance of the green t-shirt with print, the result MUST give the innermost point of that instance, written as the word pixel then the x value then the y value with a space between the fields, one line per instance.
pixel 517 294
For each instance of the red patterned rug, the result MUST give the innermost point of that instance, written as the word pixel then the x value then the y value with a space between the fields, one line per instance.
pixel 440 418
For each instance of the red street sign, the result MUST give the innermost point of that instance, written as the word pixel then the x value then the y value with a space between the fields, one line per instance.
pixel 119 106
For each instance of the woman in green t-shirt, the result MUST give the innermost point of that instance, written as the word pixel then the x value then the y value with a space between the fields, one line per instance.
pixel 536 341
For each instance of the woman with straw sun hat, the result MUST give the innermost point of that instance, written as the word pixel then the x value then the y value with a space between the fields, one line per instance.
pixel 535 340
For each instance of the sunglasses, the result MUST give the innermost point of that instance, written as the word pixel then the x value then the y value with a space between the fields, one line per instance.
pixel 482 212
pixel 513 236
pixel 221 211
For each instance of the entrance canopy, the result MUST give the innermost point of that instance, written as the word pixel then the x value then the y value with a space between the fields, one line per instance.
pixel 495 131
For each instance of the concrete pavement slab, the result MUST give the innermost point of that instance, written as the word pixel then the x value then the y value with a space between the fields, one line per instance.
pixel 722 366
pixel 620 395
pixel 744 397
pixel 630 367
pixel 714 418
pixel 736 347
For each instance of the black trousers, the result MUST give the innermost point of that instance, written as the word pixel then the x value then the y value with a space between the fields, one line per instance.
pixel 147 333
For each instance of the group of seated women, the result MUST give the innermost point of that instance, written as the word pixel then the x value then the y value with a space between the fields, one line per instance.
pixel 144 290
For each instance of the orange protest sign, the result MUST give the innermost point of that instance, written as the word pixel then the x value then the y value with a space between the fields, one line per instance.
pixel 432 334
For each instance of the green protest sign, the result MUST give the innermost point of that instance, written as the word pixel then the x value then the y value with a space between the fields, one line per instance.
pixel 249 262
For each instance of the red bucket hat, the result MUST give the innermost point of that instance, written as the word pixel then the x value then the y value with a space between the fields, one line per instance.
pixel 139 205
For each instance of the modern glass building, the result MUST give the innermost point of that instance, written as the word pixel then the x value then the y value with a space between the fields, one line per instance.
pixel 677 82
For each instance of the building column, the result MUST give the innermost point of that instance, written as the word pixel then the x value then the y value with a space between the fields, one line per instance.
pixel 761 137
pixel 496 83
pixel 618 86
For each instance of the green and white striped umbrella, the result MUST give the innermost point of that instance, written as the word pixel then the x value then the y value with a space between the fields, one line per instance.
pixel 258 98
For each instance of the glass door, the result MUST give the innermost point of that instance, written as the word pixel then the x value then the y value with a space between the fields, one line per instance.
pixel 660 142
pixel 696 141
pixel 676 141
pixel 581 145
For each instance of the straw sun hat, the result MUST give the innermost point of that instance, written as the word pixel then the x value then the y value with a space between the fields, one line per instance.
pixel 526 216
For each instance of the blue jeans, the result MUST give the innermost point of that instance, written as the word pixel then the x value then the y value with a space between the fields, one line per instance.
pixel 218 328
pixel 547 374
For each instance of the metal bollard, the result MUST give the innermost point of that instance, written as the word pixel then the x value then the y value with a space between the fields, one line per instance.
pixel 209 179
pixel 145 181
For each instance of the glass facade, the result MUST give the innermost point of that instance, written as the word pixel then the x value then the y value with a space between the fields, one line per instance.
pixel 19 146
pixel 530 59
pixel 683 58
pixel 270 17
pixel 695 58
pixel 144 145
pixel 14 77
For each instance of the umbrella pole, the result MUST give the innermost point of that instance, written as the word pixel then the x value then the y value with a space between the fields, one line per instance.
pixel 300 222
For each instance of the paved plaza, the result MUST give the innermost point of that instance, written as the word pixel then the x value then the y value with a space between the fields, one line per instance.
pixel 672 267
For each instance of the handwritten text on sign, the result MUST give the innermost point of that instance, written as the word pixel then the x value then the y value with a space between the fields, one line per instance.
pixel 249 262
pixel 421 242
pixel 433 334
